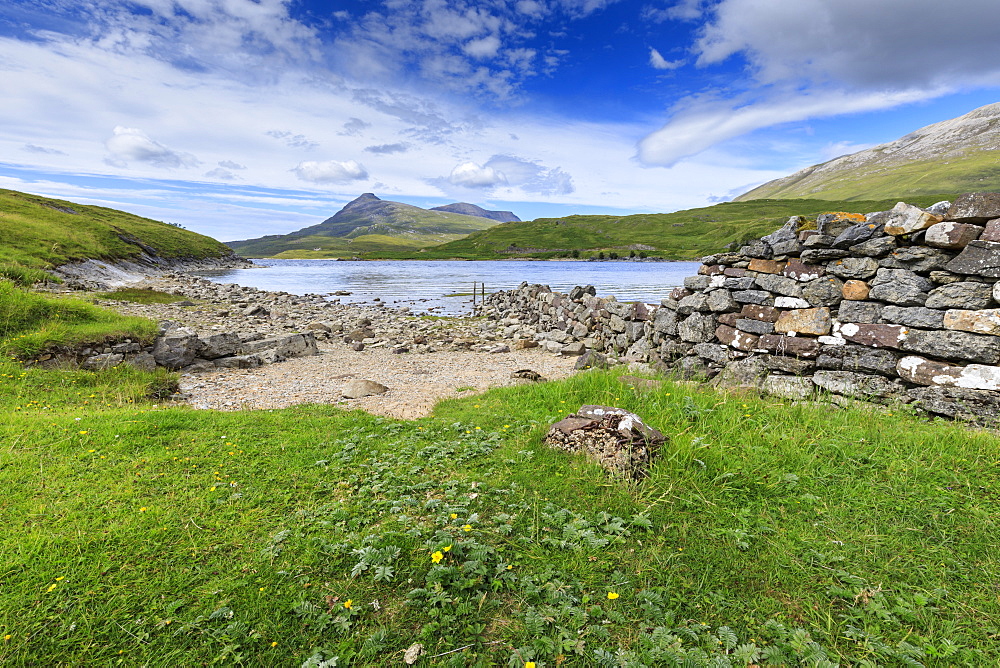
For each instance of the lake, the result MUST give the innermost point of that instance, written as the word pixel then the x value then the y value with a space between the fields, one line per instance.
pixel 427 285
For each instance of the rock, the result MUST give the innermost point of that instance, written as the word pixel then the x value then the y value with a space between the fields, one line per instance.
pixel 992 231
pixel 914 316
pixel 813 321
pixel 743 373
pixel 712 352
pixel 966 294
pixel 239 362
pixel 907 219
pixel 876 336
pixel 696 283
pixel 780 344
pixel 357 388
pixel 975 208
pixel 985 321
pixel 176 348
pixel 142 362
pixel 790 302
pixel 751 326
pixel 855 290
pixel 616 439
pixel 819 240
pixel 860 312
pixel 979 406
pixel 877 247
pixel 763 313
pixel 357 346
pixel 735 338
pixel 573 349
pixel 854 267
pixel 528 374
pixel 767 266
pixel 697 328
pixel 923 371
pixel 813 255
pixel 758 249
pixel 952 235
pixel 498 349
pixel 753 297
pixel 720 301
pixel 826 291
pixel 800 271
pixel 952 345
pixel 980 258
pixel 101 362
pixel 592 359
pixel 524 344
pixel 836 223
pixel 789 387
pixel 856 234
pixel 900 286
pixel 218 345
pixel 854 384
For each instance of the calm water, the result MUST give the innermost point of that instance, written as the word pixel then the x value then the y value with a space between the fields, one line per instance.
pixel 425 285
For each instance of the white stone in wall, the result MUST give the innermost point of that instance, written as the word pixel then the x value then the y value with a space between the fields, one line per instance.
pixel 790 302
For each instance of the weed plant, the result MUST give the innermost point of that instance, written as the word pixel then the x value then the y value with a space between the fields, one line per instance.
pixel 136 533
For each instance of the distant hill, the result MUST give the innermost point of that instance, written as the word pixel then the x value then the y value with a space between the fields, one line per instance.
pixel 682 235
pixel 467 209
pixel 41 233
pixel 954 156
pixel 365 224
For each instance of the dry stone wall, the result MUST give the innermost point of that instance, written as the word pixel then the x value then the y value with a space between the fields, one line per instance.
pixel 900 305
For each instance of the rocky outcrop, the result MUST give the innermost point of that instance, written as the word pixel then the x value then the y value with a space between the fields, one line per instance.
pixel 101 275
pixel 616 439
pixel 900 305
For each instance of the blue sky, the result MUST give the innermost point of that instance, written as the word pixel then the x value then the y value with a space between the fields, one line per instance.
pixel 238 118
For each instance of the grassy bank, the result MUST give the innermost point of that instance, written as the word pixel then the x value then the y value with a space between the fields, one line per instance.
pixel 135 533
pixel 37 233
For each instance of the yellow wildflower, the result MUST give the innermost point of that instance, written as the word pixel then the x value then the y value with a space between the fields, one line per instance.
pixel 612 595
pixel 447 548
pixel 437 557
pixel 466 527
pixel 349 603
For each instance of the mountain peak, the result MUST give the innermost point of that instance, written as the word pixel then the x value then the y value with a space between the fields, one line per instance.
pixel 467 209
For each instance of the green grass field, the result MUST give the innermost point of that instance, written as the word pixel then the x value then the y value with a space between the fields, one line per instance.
pixel 139 533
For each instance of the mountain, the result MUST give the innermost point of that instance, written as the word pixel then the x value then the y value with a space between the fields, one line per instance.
pixel 953 156
pixel 467 209
pixel 365 224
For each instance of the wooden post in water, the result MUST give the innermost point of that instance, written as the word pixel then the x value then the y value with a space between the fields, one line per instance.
pixel 474 284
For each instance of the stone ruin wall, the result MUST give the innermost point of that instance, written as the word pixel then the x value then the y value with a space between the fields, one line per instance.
pixel 893 306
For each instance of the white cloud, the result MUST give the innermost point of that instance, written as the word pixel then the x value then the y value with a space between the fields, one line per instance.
pixel 330 171
pixel 221 174
pixel 32 148
pixel 293 140
pixel 471 175
pixel 229 164
pixel 531 176
pixel 661 63
pixel 387 149
pixel 833 57
pixel 484 47
pixel 353 127
pixel 132 144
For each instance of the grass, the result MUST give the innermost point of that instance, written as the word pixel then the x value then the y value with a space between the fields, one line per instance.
pixel 31 323
pixel 682 235
pixel 138 533
pixel 140 296
pixel 38 233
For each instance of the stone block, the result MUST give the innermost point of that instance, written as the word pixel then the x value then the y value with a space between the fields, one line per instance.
pixel 791 302
pixel 792 365
pixel 952 345
pixel 696 283
pixel 856 234
pixel 740 283
pixel 814 255
pixel 854 267
pixel 721 301
pixel 952 235
pixel 913 316
pixel 963 295
pixel 735 338
pixel 779 344
pixel 712 352
pixel 779 285
pixel 986 321
pixel 922 371
pixel 861 312
pixel 710 269
pixel 812 321
pixel 837 222
pixel 916 258
pixel 784 248
pixel 855 290
pixel 979 406
pixel 763 313
pixel 991 231
pixel 907 219
pixel 758 249
pixel 824 291
pixel 800 271
pixel 975 208
pixel 876 336
pixel 877 247
pixel 818 240
pixel 900 286
pixel 665 322
pixel 727 319
pixel 853 384
pixel 679 293
pixel 753 297
pixel 734 272
pixel 697 328
pixel 766 266
pixel 979 258
pixel 757 327
pixel 789 387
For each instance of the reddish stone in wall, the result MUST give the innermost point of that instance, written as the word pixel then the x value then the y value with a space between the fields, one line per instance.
pixel 801 271
pixel 877 336
pixel 735 338
pixel 766 266
pixel 758 312
pixel 779 344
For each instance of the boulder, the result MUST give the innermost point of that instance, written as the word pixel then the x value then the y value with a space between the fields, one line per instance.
pixel 857 234
pixel 176 348
pixel 914 316
pixel 218 345
pixel 853 384
pixel 952 345
pixel 855 290
pixel 978 406
pixel 975 208
pixel 986 321
pixel 952 235
pixel 907 219
pixel 697 328
pixel 900 286
pixel 358 388
pixel 813 321
pixel 877 247
pixel 963 295
pixel 922 371
pixel 102 361
pixel 916 258
pixel 979 258
pixel 860 312
pixel 826 291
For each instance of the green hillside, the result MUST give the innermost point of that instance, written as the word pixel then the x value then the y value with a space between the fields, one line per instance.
pixel 367 224
pixel 38 233
pixel 679 235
